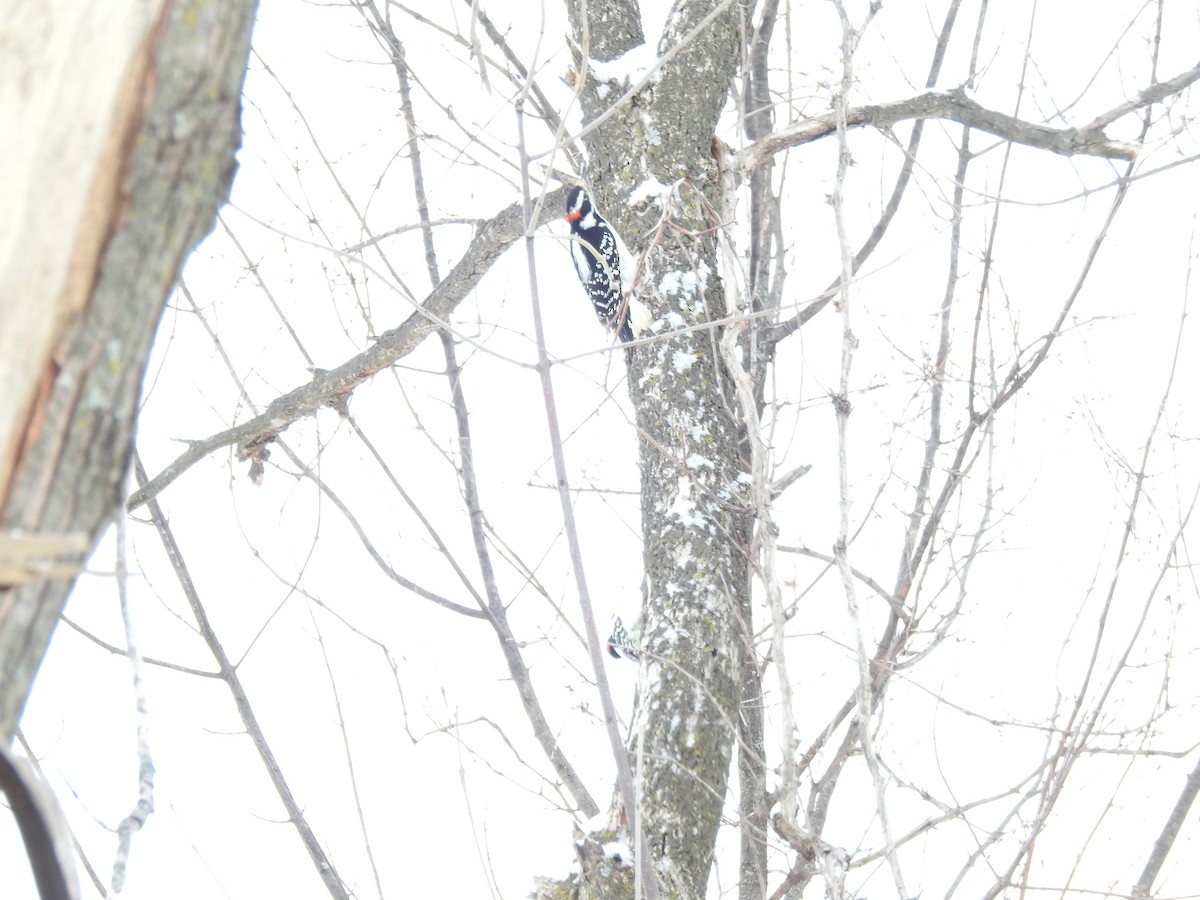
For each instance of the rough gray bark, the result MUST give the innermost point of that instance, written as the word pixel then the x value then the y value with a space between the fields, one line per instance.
pixel 694 536
pixel 172 168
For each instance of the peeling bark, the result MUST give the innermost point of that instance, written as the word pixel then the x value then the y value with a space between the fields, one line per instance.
pixel 167 165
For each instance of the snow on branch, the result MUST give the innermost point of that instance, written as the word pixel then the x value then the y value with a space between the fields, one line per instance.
pixel 956 106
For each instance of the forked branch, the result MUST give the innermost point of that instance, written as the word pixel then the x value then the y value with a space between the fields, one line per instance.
pixel 956 106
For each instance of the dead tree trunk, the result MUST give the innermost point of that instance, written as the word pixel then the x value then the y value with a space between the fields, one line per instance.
pixel 128 117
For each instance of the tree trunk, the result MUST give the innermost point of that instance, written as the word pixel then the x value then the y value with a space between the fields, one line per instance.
pixel 129 118
pixel 694 534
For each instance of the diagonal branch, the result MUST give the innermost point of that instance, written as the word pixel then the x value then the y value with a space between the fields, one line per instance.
pixel 324 866
pixel 1170 831
pixel 1156 92
pixel 494 237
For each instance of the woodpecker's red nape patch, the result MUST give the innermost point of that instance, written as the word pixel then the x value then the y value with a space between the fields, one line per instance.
pixel 574 215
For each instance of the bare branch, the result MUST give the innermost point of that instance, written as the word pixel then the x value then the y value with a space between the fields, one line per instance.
pixel 1153 94
pixel 624 775
pixel 305 471
pixel 494 607
pixel 954 106
pixel 496 235
pixel 497 614
pixel 144 806
pixel 324 866
pixel 772 336
pixel 119 651
pixel 1170 831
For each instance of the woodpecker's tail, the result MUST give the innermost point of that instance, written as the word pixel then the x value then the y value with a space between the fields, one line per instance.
pixel 639 316
pixel 637 319
pixel 625 335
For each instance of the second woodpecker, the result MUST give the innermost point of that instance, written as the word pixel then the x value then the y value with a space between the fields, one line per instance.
pixel 625 644
pixel 605 268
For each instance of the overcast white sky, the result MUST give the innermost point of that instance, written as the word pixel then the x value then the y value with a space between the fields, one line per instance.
pixel 306 615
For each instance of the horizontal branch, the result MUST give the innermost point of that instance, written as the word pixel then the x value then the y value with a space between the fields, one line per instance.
pixel 331 387
pixel 954 106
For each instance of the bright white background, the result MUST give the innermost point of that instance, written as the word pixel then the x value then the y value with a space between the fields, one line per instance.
pixel 298 603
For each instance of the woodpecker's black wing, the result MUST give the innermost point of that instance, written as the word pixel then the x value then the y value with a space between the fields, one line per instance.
pixel 602 263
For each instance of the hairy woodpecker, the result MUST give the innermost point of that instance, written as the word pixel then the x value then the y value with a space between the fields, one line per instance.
pixel 605 268
pixel 623 644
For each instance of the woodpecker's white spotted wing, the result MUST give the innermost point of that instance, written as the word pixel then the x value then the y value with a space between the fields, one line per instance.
pixel 604 266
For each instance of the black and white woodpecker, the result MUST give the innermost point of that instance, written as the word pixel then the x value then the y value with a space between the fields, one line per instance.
pixel 625 644
pixel 605 268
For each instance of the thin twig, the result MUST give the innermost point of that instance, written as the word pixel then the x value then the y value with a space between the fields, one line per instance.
pixel 772 336
pixel 763 551
pixel 323 865
pixel 493 607
pixel 624 774
pixel 144 806
pixel 862 728
pixel 351 772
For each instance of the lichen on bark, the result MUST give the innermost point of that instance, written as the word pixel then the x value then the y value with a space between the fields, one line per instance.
pixel 692 510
